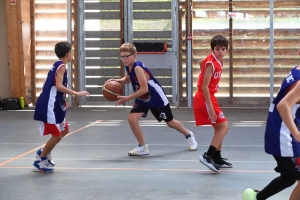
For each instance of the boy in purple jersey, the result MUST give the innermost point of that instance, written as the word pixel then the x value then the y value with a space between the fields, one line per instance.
pixel 282 139
pixel 50 109
pixel 148 95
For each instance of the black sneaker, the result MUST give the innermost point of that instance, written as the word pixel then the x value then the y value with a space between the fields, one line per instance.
pixel 208 162
pixel 222 163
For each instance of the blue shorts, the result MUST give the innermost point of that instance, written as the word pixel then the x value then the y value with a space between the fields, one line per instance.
pixel 161 114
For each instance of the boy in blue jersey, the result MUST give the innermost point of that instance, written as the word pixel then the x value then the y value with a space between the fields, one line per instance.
pixel 50 109
pixel 282 139
pixel 148 95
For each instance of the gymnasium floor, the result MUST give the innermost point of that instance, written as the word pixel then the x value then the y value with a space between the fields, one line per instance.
pixel 92 161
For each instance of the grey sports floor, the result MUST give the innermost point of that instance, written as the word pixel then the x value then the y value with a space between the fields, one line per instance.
pixel 92 161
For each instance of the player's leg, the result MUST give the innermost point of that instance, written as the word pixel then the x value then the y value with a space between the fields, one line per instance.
pixel 221 130
pixel 220 133
pixel 135 115
pixel 42 161
pixel 288 175
pixel 296 192
pixel 275 186
pixel 133 120
pixel 166 114
pixel 49 146
pixel 64 133
pixel 177 125
pixel 64 128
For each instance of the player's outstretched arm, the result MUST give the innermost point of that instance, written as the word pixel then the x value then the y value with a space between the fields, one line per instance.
pixel 60 87
pixel 82 93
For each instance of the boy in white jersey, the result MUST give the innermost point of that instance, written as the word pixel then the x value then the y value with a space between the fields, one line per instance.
pixel 50 109
pixel 282 139
pixel 148 95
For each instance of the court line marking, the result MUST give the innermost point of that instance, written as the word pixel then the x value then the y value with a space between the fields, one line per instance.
pixel 28 152
pixel 149 144
pixel 147 169
pixel 150 160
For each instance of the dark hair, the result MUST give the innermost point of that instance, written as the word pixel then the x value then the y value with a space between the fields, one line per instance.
pixel 62 48
pixel 218 41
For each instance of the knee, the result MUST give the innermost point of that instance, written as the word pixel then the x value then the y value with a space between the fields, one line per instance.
pixel 222 128
pixel 287 181
pixel 57 138
pixel 131 120
pixel 64 133
pixel 226 127
pixel 171 124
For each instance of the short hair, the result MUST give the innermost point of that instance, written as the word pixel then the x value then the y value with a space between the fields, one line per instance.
pixel 129 47
pixel 218 41
pixel 62 48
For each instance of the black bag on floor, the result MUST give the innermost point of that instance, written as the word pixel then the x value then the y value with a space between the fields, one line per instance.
pixel 10 104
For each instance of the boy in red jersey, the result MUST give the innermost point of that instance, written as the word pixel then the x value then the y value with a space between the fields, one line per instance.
pixel 206 107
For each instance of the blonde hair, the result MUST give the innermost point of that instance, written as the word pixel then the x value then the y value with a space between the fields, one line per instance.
pixel 128 47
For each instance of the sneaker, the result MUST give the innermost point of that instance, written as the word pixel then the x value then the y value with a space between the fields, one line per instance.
pixel 208 162
pixel 139 150
pixel 250 194
pixel 49 158
pixel 42 165
pixel 222 163
pixel 192 142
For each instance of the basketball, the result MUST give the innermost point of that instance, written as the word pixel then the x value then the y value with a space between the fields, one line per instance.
pixel 111 90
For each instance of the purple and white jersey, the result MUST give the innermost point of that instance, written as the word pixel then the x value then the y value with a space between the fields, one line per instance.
pixel 156 97
pixel 278 139
pixel 51 104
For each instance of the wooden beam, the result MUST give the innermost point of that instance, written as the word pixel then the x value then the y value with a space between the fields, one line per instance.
pixel 25 68
pixel 75 100
pixel 33 48
pixel 19 48
pixel 13 12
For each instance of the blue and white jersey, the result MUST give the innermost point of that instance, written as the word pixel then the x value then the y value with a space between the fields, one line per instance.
pixel 278 139
pixel 156 97
pixel 51 104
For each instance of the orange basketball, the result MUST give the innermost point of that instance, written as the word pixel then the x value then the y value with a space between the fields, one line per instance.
pixel 111 90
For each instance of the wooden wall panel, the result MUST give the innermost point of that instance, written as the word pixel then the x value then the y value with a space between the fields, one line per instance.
pixel 19 53
pixel 4 67
pixel 26 42
pixel 14 47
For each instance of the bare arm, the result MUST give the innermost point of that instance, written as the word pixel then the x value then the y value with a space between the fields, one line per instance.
pixel 60 87
pixel 284 109
pixel 200 63
pixel 142 79
pixel 207 77
pixel 205 84
pixel 143 82
pixel 124 80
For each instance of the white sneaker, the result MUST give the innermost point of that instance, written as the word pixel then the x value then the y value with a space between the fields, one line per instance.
pixel 49 158
pixel 139 150
pixel 42 165
pixel 192 142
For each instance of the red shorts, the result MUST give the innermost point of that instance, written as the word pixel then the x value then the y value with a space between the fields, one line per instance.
pixel 53 129
pixel 201 111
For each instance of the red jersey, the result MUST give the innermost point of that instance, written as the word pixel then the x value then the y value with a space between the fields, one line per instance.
pixel 215 78
pixel 200 105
